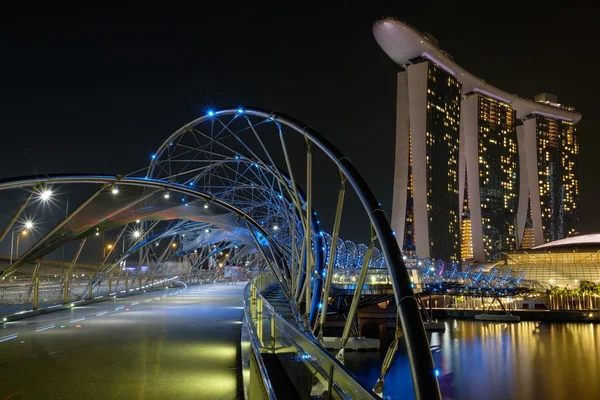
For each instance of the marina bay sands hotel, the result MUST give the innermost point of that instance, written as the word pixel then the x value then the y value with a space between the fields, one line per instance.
pixel 479 171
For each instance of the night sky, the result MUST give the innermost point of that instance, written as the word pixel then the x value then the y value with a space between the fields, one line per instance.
pixel 98 89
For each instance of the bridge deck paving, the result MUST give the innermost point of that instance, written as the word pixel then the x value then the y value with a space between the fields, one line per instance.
pixel 171 344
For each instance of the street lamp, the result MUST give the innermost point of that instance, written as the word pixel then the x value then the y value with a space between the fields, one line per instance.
pixel 24 232
pixel 115 189
pixel 45 194
pixel 275 227
pixel 174 245
pixel 136 234
pixel 28 225
pixel 108 248
pixel 166 195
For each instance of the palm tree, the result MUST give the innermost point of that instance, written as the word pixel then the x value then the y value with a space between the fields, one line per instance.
pixel 587 288
pixel 554 292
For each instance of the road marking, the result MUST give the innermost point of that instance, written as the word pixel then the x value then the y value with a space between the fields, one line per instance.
pixel 135 303
pixel 9 337
pixel 101 313
pixel 76 320
pixel 45 327
pixel 119 308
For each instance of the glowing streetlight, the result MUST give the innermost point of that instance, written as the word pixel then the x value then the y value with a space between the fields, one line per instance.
pixel 115 189
pixel 275 227
pixel 97 233
pixel 205 205
pixel 109 246
pixel 207 230
pixel 137 221
pixel 174 245
pixel 137 234
pixel 166 195
pixel 45 194
pixel 28 225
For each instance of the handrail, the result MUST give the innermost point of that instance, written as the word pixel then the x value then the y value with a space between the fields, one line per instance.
pixel 334 378
pixel 255 345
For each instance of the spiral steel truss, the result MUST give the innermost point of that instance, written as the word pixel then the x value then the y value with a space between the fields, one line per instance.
pixel 233 188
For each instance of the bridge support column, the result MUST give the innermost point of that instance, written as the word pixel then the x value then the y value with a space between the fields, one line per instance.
pixel 36 292
pixel 126 281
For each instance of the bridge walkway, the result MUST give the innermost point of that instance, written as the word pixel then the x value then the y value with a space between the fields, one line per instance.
pixel 175 343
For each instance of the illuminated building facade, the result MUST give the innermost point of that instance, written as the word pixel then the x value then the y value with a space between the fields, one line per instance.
pixel 564 262
pixel 489 155
pixel 557 151
pixel 550 148
pixel 426 181
pixel 518 155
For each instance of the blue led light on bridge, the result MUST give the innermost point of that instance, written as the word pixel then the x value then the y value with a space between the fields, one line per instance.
pixel 211 113
pixel 153 156
pixel 437 372
pixel 240 110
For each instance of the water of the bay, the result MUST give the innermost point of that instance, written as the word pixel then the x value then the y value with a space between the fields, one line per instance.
pixel 485 360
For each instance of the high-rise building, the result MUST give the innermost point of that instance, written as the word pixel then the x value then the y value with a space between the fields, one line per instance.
pixel 426 185
pixel 489 154
pixel 518 156
pixel 551 149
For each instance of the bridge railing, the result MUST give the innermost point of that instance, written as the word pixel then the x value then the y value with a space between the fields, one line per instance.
pixel 316 371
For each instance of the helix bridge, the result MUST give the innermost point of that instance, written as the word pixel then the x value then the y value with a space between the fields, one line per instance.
pixel 233 188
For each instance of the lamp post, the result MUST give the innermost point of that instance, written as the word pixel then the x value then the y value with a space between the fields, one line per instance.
pixel 24 232
pixel 108 248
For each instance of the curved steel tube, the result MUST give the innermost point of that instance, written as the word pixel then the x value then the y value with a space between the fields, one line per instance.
pixel 426 385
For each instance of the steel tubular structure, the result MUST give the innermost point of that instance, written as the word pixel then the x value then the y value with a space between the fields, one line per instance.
pixel 220 192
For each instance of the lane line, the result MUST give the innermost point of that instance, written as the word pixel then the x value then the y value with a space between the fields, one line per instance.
pixel 9 337
pixel 76 320
pixel 45 327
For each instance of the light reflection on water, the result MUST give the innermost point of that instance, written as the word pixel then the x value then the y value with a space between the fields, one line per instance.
pixel 484 360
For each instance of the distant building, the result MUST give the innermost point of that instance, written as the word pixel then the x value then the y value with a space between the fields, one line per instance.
pixel 550 177
pixel 490 161
pixel 479 171
pixel 426 183
pixel 565 262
